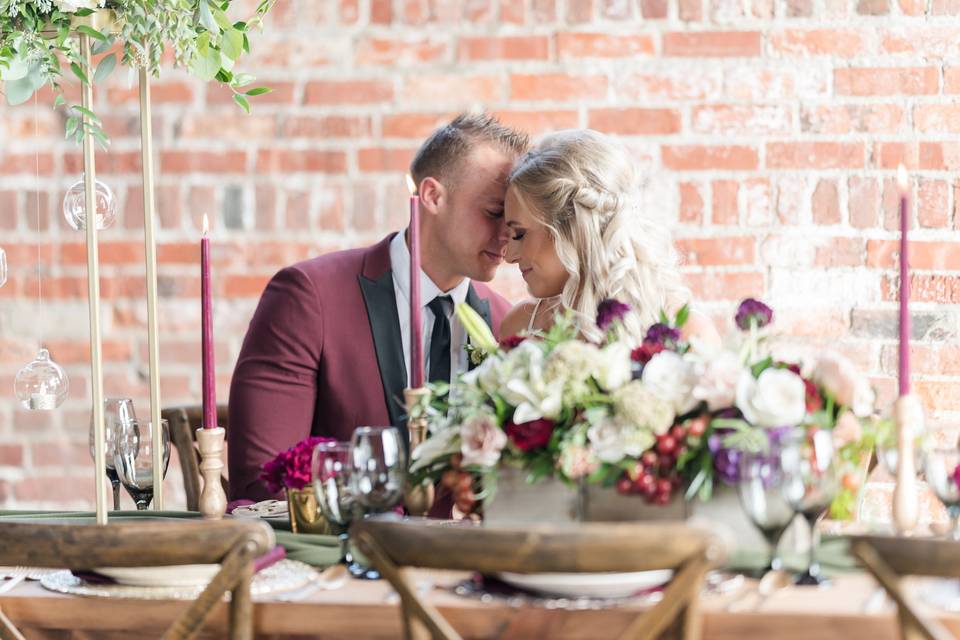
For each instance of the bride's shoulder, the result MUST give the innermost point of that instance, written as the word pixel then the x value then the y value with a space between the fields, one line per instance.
pixel 700 328
pixel 518 318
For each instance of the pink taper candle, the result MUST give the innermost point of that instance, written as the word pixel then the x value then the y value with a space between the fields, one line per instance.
pixel 206 317
pixel 416 321
pixel 904 360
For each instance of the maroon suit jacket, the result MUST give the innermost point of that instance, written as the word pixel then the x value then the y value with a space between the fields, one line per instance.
pixel 322 355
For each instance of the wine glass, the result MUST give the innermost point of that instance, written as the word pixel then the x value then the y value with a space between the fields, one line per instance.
pixel 331 473
pixel 761 495
pixel 941 469
pixel 379 461
pixel 809 484
pixel 133 458
pixel 116 411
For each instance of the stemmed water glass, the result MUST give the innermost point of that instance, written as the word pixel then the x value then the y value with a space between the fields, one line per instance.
pixel 331 472
pixel 116 411
pixel 379 460
pixel 809 484
pixel 761 495
pixel 133 458
pixel 940 466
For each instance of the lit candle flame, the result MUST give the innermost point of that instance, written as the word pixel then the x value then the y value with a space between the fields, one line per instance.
pixel 902 181
pixel 411 185
pixel 206 224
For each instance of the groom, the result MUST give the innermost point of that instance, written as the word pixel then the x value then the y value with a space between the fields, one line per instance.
pixel 328 347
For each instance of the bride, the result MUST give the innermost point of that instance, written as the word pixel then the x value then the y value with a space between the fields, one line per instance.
pixel 579 237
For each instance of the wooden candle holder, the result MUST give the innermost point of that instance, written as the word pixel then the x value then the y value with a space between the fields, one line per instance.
pixel 213 502
pixel 908 414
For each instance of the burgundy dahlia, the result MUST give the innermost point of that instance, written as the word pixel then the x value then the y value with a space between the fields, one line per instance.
pixel 291 468
pixel 528 436
pixel 610 311
pixel 752 311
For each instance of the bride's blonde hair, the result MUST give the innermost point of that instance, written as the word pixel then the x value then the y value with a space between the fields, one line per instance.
pixel 583 186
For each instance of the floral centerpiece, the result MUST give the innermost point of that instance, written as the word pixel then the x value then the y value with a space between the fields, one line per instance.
pixel 290 472
pixel 652 420
pixel 36 41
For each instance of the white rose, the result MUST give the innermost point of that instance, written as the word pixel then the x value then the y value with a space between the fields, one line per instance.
pixel 776 399
pixel 522 385
pixel 442 443
pixel 70 6
pixel 672 378
pixel 613 439
pixel 481 440
pixel 613 367
pixel 839 377
pixel 640 407
pixel 716 380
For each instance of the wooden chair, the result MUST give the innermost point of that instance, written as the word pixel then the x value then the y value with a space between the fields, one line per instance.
pixel 184 422
pixel 889 558
pixel 391 544
pixel 231 543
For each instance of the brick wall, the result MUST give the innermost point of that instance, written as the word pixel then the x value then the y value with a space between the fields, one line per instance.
pixel 769 131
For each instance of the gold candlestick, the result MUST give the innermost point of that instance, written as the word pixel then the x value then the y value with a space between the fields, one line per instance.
pixel 213 502
pixel 417 499
pixel 908 414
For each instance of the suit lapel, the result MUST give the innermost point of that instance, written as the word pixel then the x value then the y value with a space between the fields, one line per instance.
pixel 381 303
pixel 481 306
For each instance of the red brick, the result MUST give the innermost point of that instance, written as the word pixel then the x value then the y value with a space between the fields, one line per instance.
pixel 615 9
pixel 429 89
pixel 711 252
pixel 399 51
pixel 557 87
pixel 11 455
pixel 654 9
pixel 59 489
pixel 712 44
pixel 799 8
pixel 110 253
pixel 349 11
pixel 26 163
pixel 841 43
pixel 380 159
pixel 381 11
pixel 863 202
pixel 539 122
pixel 913 7
pixel 951 80
pixel 513 12
pixel 544 11
pixel 726 209
pixel 348 92
pixel 701 158
pixel 202 162
pixel 841 252
pixel 231 125
pixel 826 203
pixel 327 127
pixel 604 45
pixel 504 48
pixel 743 120
pixel 635 121
pixel 891 205
pixel 120 162
pixel 281 93
pixel 580 11
pixel 936 359
pixel 412 125
pixel 690 10
pixel 289 160
pixel 933 204
pixel 858 118
pixel 691 203
pixel 926 256
pixel 875 81
pixel 815 155
pixel 937 118
pixel 244 286
pixel 670 86
pixel 726 286
pixel 873 7
pixel 166 92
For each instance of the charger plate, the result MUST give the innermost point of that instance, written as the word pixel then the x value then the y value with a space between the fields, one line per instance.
pixel 589 585
pixel 285 575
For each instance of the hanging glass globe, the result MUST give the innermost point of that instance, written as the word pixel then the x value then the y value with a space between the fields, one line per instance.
pixel 3 267
pixel 42 385
pixel 74 205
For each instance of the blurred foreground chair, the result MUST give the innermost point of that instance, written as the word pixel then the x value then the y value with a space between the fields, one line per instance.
pixel 233 544
pixel 391 544
pixel 184 422
pixel 889 558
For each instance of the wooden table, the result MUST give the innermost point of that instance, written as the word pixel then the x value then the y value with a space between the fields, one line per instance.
pixel 369 610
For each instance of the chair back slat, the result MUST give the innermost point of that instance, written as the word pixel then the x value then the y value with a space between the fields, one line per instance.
pixel 917 556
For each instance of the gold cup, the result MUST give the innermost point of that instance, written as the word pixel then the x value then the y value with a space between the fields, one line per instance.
pixel 305 515
pixel 417 499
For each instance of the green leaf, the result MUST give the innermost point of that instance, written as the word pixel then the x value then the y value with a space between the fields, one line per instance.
pixel 232 43
pixel 105 68
pixel 71 127
pixel 19 91
pixel 761 366
pixel 259 91
pixel 77 71
pixel 93 33
pixel 240 100
pixel 682 315
pixel 90 114
pixel 58 101
pixel 663 317
pixel 206 17
pixel 80 13
pixel 101 47
pixel 206 65
pixel 203 43
pixel 221 19
pixel 246 43
pixel 242 79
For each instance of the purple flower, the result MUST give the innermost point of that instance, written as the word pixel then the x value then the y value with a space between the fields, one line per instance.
pixel 752 310
pixel 610 311
pixel 663 335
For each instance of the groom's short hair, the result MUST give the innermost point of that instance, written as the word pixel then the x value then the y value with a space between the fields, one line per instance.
pixel 442 153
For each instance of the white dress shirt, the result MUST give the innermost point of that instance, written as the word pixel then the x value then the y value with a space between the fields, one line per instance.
pixel 400 263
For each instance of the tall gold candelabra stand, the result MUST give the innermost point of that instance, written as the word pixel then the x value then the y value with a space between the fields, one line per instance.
pixel 104 20
pixel 417 498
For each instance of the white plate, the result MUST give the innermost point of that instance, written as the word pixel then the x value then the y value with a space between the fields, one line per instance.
pixel 185 575
pixel 593 585
pixel 262 509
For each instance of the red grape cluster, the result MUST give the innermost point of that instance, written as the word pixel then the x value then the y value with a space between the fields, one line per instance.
pixel 460 484
pixel 655 475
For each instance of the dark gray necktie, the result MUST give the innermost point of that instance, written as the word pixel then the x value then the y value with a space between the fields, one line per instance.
pixel 440 339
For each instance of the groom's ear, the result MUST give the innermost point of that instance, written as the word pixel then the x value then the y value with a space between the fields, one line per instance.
pixel 433 195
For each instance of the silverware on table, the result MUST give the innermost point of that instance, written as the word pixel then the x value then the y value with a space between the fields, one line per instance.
pixel 333 577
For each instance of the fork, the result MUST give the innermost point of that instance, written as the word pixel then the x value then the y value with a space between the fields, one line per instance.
pixel 15 575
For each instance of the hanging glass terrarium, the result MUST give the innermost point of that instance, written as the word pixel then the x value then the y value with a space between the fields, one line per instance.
pixel 75 210
pixel 42 384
